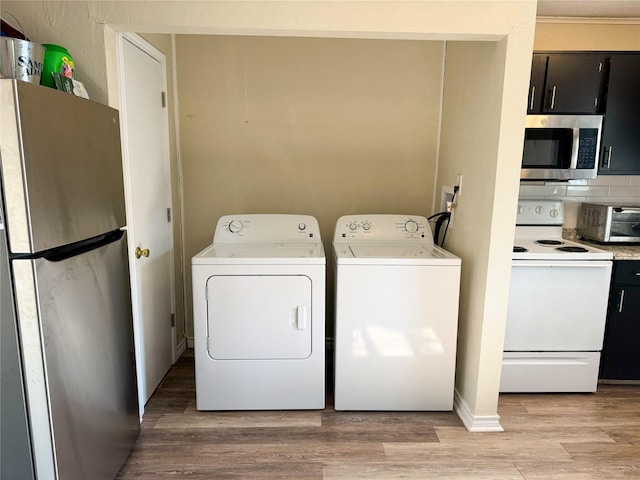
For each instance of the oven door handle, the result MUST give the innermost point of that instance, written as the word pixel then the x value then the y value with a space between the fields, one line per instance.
pixel 562 263
pixel 626 209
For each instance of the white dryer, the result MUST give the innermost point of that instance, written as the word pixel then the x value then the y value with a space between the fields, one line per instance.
pixel 396 315
pixel 259 315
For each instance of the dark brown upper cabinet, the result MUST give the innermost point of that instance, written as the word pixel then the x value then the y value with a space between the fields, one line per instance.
pixel 567 83
pixel 621 130
pixel 536 85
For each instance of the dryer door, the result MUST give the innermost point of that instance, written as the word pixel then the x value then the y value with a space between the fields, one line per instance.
pixel 258 317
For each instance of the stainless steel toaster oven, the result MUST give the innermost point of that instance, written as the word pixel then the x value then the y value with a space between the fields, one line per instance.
pixel 609 223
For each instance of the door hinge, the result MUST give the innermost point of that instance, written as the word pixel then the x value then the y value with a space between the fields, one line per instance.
pixel 169 215
pixel 173 319
pixel 164 99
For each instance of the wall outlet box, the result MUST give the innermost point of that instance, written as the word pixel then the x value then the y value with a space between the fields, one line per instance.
pixel 446 197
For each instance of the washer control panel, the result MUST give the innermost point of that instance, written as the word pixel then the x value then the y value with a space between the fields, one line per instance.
pixel 382 228
pixel 267 228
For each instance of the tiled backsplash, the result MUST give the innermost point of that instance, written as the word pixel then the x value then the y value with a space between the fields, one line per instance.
pixel 606 188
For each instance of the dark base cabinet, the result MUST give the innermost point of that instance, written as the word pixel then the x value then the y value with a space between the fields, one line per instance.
pixel 621 350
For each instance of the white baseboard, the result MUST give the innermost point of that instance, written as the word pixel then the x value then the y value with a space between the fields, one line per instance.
pixel 180 348
pixel 475 423
pixel 189 342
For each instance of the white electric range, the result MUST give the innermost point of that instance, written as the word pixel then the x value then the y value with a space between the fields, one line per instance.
pixel 557 306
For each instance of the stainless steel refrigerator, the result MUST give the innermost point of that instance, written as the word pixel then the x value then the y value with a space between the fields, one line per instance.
pixel 68 390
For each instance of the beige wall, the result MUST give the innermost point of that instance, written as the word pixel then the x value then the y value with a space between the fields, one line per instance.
pixel 86 28
pixel 602 35
pixel 324 127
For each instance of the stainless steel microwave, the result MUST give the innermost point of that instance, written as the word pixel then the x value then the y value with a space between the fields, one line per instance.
pixel 561 147
pixel 609 223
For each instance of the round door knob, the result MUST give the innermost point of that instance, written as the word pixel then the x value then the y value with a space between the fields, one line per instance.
pixel 142 253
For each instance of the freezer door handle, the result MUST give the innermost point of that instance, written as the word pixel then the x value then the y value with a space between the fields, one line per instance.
pixel 65 252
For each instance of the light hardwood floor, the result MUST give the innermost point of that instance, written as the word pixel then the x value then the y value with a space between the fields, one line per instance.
pixel 547 436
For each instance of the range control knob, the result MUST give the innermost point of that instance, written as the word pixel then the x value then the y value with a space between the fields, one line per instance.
pixel 366 226
pixel 411 226
pixel 235 226
pixel 353 226
pixel 539 210
pixel 554 213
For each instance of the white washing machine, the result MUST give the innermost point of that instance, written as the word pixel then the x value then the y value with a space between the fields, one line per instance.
pixel 396 316
pixel 259 315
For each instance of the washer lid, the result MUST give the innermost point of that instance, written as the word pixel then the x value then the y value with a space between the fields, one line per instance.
pixel 261 253
pixel 393 254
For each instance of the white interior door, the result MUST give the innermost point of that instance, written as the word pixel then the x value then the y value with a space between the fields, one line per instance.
pixel 148 185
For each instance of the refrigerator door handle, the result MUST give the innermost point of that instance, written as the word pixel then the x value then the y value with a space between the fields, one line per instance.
pixel 67 251
pixel 63 253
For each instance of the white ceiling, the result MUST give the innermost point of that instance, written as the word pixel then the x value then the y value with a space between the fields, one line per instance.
pixel 589 8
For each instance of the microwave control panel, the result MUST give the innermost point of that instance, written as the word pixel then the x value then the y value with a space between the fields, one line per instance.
pixel 587 147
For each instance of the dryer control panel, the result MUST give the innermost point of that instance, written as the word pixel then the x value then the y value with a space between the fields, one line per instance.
pixel 267 228
pixel 383 228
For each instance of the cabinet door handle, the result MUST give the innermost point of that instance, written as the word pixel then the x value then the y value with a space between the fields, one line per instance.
pixel 533 96
pixel 553 97
pixel 621 301
pixel 609 156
